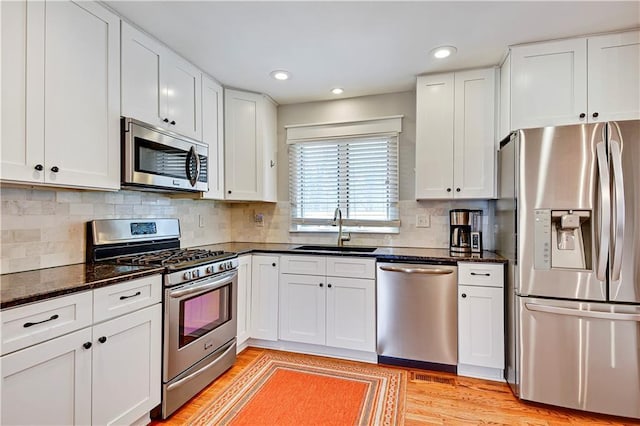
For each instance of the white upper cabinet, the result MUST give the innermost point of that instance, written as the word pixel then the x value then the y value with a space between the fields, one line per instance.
pixel 250 146
pixel 61 106
pixel 549 83
pixel 213 136
pixel 576 81
pixel 455 146
pixel 614 76
pixel 159 87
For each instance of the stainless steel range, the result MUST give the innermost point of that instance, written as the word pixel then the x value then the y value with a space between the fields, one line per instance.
pixel 200 299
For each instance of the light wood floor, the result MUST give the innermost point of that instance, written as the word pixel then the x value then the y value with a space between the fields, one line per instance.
pixel 455 401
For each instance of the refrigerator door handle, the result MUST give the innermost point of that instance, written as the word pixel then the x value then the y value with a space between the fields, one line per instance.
pixel 616 162
pixel 582 313
pixel 605 211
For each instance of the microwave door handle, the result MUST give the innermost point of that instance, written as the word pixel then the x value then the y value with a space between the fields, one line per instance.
pixel 618 185
pixel 191 156
pixel 605 211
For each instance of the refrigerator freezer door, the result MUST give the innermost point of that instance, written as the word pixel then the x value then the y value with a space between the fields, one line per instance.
pixel 581 355
pixel 558 171
pixel 624 278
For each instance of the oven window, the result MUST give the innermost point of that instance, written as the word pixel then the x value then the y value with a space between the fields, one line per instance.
pixel 203 313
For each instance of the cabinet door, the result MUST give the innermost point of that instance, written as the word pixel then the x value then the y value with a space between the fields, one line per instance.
pixel 142 97
pixel 474 139
pixel 434 136
pixel 81 95
pixel 549 83
pixel 18 157
pixel 243 152
pixel 481 326
pixel 244 298
pixel 351 313
pixel 614 77
pixel 504 125
pixel 270 144
pixel 126 366
pixel 49 383
pixel 183 92
pixel 264 297
pixel 302 308
pixel 213 136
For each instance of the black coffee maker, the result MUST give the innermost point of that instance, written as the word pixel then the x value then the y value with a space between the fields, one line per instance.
pixel 464 231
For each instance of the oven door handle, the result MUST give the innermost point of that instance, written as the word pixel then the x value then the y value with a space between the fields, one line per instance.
pixel 202 370
pixel 203 285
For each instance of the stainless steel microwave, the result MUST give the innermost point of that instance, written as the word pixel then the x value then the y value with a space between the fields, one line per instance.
pixel 156 159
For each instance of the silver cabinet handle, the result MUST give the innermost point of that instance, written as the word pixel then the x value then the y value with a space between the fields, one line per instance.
pixel 434 271
pixel 605 211
pixel 580 313
pixel 202 370
pixel 616 162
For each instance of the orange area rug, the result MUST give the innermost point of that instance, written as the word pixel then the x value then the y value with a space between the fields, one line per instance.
pixel 290 389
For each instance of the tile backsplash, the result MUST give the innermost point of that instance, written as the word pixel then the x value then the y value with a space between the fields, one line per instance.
pixel 275 226
pixel 41 228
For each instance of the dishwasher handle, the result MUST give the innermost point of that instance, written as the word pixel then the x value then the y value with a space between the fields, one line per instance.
pixel 434 271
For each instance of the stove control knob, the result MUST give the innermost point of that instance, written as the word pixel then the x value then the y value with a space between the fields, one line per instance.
pixel 187 276
pixel 196 273
pixel 229 265
pixel 209 270
pixel 221 267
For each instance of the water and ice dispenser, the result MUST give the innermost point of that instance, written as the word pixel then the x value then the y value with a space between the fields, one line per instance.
pixel 562 239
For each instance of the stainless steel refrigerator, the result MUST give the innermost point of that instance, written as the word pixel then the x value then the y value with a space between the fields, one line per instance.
pixel 568 220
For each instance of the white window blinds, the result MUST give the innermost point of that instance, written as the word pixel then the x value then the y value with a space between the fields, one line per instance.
pixel 359 175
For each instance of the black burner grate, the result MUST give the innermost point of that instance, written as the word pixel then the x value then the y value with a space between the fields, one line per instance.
pixel 171 257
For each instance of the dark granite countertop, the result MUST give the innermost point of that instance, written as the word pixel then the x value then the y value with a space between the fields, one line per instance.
pixel 32 286
pixel 393 254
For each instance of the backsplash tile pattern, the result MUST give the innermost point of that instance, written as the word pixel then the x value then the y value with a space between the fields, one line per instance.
pixel 275 228
pixel 41 228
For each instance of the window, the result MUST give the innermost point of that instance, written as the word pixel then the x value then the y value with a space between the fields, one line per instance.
pixel 358 174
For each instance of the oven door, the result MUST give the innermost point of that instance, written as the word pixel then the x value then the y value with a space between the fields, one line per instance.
pixel 159 159
pixel 200 317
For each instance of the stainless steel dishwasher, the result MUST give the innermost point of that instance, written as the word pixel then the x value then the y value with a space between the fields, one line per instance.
pixel 418 315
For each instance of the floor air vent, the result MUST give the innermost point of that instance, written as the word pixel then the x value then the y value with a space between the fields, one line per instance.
pixel 422 377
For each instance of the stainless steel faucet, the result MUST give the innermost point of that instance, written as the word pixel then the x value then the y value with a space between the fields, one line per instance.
pixel 337 216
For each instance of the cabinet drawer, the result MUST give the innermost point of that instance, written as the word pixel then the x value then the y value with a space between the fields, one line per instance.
pixel 304 265
pixel 351 267
pixel 27 325
pixel 129 296
pixel 481 274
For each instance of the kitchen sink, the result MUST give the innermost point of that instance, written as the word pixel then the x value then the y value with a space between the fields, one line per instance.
pixel 338 249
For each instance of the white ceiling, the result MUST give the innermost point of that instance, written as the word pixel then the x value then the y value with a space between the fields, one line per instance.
pixel 366 47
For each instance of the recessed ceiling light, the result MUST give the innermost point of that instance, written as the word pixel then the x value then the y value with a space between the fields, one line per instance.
pixel 443 52
pixel 280 75
pixel 337 91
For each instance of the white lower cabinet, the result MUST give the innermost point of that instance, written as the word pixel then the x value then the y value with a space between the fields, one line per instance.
pixel 244 300
pixel 264 297
pixel 480 320
pixel 319 308
pixel 49 383
pixel 108 373
pixel 302 308
pixel 126 367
